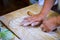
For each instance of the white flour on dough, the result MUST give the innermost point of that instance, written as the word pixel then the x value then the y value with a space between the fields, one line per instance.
pixel 33 33
pixel 16 22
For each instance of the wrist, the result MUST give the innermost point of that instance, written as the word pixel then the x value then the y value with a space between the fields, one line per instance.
pixel 42 14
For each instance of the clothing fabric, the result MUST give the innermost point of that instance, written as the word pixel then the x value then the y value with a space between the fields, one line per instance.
pixel 41 2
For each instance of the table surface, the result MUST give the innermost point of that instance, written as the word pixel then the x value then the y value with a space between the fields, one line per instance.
pixel 35 9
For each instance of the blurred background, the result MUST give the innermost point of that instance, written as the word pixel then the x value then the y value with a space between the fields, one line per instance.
pixel 7 6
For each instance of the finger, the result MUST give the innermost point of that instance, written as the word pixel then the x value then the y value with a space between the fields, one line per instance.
pixel 43 28
pixel 26 24
pixel 35 24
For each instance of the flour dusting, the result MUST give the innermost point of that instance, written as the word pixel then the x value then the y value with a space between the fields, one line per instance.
pixel 33 33
pixel 16 22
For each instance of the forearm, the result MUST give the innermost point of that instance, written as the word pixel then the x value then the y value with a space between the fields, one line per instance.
pixel 47 6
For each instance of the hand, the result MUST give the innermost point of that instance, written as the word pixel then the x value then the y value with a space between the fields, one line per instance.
pixel 49 24
pixel 32 20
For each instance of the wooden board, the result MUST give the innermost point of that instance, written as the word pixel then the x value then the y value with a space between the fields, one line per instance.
pixel 14 37
pixel 29 33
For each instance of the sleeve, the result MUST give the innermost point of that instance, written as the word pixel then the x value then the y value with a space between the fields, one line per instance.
pixel 56 2
pixel 41 2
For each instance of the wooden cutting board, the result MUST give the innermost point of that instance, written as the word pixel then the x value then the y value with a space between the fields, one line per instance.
pixel 7 31
pixel 27 33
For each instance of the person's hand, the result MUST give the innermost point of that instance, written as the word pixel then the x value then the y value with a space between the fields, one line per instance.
pixel 49 24
pixel 32 20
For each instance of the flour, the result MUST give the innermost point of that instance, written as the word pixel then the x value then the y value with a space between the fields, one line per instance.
pixel 16 22
pixel 33 33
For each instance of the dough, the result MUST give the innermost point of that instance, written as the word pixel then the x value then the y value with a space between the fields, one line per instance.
pixel 27 33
